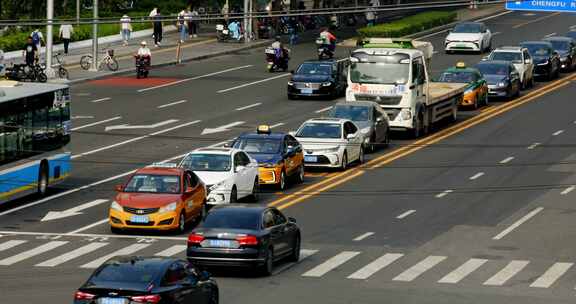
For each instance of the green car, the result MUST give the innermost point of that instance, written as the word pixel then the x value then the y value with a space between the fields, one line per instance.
pixel 476 93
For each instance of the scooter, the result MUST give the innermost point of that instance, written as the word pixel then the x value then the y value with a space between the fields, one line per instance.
pixel 23 72
pixel 274 62
pixel 142 66
pixel 222 33
pixel 324 51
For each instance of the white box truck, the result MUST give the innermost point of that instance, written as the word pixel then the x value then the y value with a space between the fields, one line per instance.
pixel 395 74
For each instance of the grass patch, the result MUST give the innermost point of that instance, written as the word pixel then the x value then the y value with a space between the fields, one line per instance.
pixel 409 25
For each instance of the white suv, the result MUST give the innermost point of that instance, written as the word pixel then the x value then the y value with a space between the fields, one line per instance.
pixel 229 174
pixel 520 58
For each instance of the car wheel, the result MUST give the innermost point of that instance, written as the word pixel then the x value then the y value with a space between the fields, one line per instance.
pixel 532 81
pixel 361 157
pixel 115 230
pixel 181 223
pixel 203 212
pixel 295 255
pixel 282 182
pixel 371 148
pixel 475 106
pixel 43 179
pixel 214 297
pixel 344 163
pixel 255 190
pixel 387 139
pixel 300 174
pixel 517 94
pixel 268 267
pixel 233 195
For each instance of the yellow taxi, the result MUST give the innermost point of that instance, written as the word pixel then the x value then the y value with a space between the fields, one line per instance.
pixel 476 93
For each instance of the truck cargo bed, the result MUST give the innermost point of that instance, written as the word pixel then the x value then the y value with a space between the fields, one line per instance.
pixel 440 91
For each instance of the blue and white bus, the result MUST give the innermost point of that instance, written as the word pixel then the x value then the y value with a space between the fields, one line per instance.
pixel 34 132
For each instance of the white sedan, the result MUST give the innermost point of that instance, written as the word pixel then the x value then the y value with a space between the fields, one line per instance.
pixel 229 174
pixel 469 36
pixel 330 142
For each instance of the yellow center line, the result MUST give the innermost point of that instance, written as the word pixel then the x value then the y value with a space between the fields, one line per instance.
pixel 336 179
pixel 535 20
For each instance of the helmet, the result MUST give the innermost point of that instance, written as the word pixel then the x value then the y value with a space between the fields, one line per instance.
pixel 143 43
pixel 277 38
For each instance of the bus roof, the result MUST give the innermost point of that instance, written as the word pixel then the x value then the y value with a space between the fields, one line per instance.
pixel 12 90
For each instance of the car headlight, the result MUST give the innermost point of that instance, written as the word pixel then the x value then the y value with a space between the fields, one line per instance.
pixel 217 185
pixel 365 130
pixel 405 114
pixel 290 83
pixel 326 84
pixel 502 84
pixel 168 208
pixel 114 205
pixel 329 150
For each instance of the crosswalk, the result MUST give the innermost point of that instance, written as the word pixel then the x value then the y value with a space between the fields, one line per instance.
pixel 314 263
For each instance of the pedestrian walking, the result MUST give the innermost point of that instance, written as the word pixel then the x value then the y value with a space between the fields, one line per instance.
pixel 2 71
pixel 37 38
pixel 65 34
pixel 182 25
pixel 193 22
pixel 125 28
pixel 30 51
pixel 157 20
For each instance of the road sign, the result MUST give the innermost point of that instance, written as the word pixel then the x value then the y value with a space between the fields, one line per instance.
pixel 542 5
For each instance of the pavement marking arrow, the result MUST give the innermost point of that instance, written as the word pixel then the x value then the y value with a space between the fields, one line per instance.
pixel 55 215
pixel 222 128
pixel 152 126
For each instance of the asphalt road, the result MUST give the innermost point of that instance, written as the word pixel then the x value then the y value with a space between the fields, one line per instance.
pixel 478 212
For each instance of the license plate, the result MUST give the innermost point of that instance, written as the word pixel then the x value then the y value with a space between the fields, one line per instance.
pixel 310 159
pixel 221 243
pixel 307 91
pixel 141 219
pixel 112 301
pixel 461 45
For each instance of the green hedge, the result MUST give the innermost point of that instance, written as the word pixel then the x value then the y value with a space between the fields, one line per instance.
pixel 408 25
pixel 16 41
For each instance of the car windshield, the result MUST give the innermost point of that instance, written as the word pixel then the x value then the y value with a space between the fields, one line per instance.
pixel 151 183
pixel 231 219
pixel 506 56
pixel 137 272
pixel 493 69
pixel 561 45
pixel 258 145
pixel 320 130
pixel 380 69
pixel 314 69
pixel 467 28
pixel 207 162
pixel 537 49
pixel 354 113
pixel 457 77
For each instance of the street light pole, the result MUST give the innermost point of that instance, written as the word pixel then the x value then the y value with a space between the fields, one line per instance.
pixel 246 30
pixel 94 67
pixel 77 12
pixel 49 16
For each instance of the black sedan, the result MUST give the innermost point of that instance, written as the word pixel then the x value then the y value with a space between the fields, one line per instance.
pixel 566 49
pixel 153 280
pixel 244 236
pixel 546 59
pixel 502 77
pixel 326 78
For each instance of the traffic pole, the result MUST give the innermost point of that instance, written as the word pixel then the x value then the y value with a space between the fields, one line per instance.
pixel 77 12
pixel 49 41
pixel 246 30
pixel 94 66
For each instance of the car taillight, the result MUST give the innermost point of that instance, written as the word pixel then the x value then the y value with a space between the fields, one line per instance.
pixel 247 240
pixel 195 238
pixel 146 299
pixel 79 295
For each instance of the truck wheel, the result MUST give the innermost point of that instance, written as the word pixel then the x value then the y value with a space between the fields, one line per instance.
pixel 416 130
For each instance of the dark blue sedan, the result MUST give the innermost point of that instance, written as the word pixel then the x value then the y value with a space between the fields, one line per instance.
pixel 326 78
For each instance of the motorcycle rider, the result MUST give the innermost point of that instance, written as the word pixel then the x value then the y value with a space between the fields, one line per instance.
pixel 329 39
pixel 281 51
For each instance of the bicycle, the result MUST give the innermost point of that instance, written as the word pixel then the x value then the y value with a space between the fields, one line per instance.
pixel 108 59
pixel 61 70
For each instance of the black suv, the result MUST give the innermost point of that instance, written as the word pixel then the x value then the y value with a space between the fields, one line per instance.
pixel 546 59
pixel 323 78
pixel 566 48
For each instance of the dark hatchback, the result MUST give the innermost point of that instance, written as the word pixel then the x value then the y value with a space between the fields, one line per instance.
pixel 546 59
pixel 502 77
pixel 153 280
pixel 326 78
pixel 566 49
pixel 244 236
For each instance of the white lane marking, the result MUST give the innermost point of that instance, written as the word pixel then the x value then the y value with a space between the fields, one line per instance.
pixel 134 139
pixel 172 104
pixel 496 33
pixel 83 94
pixel 253 83
pixel 477 175
pixel 11 244
pixel 96 123
pixel 72 255
pixel 248 106
pixel 31 253
pixel 418 269
pixel 550 35
pixel 323 110
pixel 95 235
pixel 220 144
pixel 463 271
pixel 277 125
pixel 124 251
pixel 479 20
pixel 331 263
pixel 82 117
pixel 304 253
pixel 519 222
pixel 506 273
pixel 533 146
pixel 363 236
pixel 557 132
pixel 551 275
pixel 567 190
pixel 76 210
pixel 61 194
pixel 100 222
pixel 507 160
pixel 223 128
pixel 443 194
pixel 572 26
pixel 193 78
pixel 137 127
pixel 529 14
pixel 101 99
pixel 172 251
pixel 405 214
pixel 375 266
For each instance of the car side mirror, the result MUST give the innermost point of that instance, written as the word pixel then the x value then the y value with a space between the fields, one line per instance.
pixel 527 61
pixel 228 145
pixel 239 169
pixel 292 220
pixel 119 188
pixel 290 150
pixel 293 133
pixel 351 136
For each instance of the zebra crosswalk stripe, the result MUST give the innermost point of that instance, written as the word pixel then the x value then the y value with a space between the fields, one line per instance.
pixel 418 269
pixel 31 253
pixel 172 251
pixel 124 251
pixel 463 271
pixel 331 263
pixel 375 266
pixel 10 244
pixel 72 255
pixel 551 275
pixel 506 273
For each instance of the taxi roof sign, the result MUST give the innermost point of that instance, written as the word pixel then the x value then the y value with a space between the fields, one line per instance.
pixel 263 129
pixel 461 65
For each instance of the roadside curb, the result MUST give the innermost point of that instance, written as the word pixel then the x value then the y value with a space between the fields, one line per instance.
pixel 196 58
